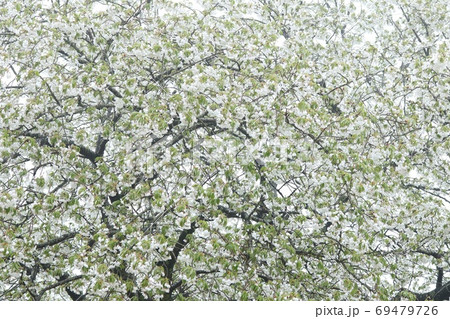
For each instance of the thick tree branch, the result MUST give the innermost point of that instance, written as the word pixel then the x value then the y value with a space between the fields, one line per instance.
pixel 75 296
pixel 57 284
pixel 169 264
pixel 439 278
pixel 440 293
pixel 84 151
pixel 429 253
pixel 56 241
pixel 114 91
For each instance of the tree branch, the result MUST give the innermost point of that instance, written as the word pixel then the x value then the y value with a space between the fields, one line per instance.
pixel 169 264
pixel 438 294
pixel 57 284
pixel 56 241
pixel 84 151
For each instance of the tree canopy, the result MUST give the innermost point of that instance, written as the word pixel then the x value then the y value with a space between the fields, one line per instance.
pixel 224 150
